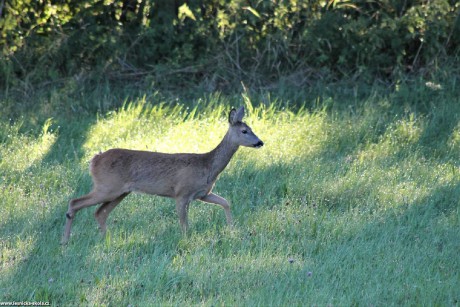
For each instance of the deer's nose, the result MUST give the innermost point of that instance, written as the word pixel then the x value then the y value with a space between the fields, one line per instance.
pixel 259 144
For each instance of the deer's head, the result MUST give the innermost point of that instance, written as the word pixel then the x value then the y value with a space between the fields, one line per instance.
pixel 241 133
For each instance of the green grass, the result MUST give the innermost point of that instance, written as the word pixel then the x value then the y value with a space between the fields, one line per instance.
pixel 343 205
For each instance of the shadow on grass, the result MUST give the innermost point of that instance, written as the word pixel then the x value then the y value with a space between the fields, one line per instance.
pixel 407 255
pixel 145 255
pixel 119 269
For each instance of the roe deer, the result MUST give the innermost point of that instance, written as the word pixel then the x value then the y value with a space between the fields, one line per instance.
pixel 182 176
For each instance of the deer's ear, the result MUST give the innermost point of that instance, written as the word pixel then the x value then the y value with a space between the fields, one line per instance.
pixel 236 116
pixel 240 114
pixel 231 117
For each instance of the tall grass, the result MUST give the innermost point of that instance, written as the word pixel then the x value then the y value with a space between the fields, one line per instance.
pixel 342 206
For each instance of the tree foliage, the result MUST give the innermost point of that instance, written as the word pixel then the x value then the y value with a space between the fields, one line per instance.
pixel 221 43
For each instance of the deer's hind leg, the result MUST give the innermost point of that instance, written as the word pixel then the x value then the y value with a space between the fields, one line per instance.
pixel 91 199
pixel 182 205
pixel 104 210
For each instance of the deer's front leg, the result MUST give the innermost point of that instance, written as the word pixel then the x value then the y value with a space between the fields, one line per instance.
pixel 217 200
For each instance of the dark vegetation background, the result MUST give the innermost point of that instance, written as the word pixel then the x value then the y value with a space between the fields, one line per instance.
pixel 354 200
pixel 70 49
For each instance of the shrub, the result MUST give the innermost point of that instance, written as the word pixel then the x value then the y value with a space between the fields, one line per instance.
pixel 221 43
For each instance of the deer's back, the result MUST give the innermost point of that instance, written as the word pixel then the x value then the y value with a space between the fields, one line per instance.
pixel 150 172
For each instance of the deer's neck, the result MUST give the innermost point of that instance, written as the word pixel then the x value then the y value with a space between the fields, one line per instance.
pixel 220 157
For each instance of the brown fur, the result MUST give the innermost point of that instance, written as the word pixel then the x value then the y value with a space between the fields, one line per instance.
pixel 183 176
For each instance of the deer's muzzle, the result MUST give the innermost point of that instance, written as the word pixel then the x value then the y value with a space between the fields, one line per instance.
pixel 259 144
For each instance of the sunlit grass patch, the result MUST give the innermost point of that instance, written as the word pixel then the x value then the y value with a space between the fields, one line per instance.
pixel 342 207
pixel 21 151
pixel 156 128
pixel 287 135
pixel 30 189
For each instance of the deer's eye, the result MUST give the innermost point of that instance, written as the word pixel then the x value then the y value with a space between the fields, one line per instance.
pixel 244 131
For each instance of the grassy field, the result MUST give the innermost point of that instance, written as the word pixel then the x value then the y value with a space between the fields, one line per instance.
pixel 352 202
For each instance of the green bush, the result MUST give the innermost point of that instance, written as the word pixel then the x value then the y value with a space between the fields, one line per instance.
pixel 221 43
